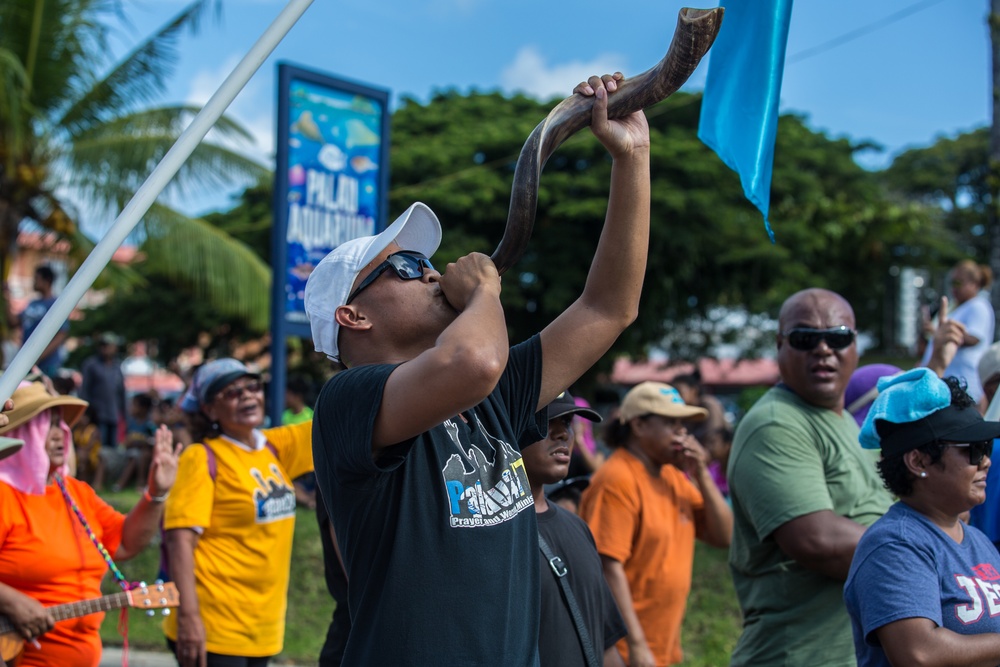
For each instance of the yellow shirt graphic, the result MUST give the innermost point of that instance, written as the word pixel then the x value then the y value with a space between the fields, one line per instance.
pixel 246 519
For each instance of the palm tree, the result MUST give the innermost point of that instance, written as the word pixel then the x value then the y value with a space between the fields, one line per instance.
pixel 79 134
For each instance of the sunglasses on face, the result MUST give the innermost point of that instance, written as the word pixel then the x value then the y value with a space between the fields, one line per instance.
pixel 977 450
pixel 233 393
pixel 405 264
pixel 806 339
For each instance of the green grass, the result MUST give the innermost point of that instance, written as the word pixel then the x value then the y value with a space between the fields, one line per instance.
pixel 711 624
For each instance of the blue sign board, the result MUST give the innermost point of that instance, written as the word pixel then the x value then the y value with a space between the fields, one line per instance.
pixel 331 182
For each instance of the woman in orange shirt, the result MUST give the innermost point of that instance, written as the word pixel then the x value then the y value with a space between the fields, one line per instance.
pixel 46 555
pixel 645 506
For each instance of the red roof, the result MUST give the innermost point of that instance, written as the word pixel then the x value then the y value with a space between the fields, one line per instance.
pixel 714 372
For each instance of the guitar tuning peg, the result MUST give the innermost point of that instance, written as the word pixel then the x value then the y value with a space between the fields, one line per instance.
pixel 158 582
pixel 166 612
pixel 142 585
pixel 150 612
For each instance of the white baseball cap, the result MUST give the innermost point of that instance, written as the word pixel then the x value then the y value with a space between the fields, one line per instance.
pixel 330 283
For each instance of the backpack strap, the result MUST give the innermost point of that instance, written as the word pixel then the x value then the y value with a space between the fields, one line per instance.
pixel 559 570
pixel 213 468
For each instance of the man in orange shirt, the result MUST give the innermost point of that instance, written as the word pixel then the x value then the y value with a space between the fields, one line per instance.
pixel 645 507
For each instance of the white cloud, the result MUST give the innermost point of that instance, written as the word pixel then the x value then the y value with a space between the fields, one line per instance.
pixel 531 75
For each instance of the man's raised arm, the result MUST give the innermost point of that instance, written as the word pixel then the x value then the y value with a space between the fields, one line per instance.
pixel 576 339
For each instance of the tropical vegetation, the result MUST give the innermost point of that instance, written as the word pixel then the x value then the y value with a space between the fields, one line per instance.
pixel 80 131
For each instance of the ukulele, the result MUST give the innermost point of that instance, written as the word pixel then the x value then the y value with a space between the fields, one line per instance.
pixel 157 596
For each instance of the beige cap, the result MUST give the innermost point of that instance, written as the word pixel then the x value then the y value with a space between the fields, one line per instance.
pixel 656 398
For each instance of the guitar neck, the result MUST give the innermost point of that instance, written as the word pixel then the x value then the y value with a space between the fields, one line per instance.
pixel 74 609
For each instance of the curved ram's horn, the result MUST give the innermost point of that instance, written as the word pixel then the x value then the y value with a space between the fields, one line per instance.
pixel 696 30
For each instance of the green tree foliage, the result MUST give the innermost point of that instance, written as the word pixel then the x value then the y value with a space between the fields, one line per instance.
pixel 835 227
pixel 77 127
pixel 710 257
pixel 949 177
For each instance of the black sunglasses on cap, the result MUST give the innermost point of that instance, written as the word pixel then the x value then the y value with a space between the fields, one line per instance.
pixel 406 264
pixel 977 450
pixel 806 339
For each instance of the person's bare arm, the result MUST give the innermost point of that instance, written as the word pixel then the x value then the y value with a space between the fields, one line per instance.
pixel 461 369
pixel 27 614
pixel 612 658
pixel 948 336
pixel 578 337
pixel 191 652
pixel 715 519
pixel 920 642
pixel 638 648
pixel 820 541
pixel 144 519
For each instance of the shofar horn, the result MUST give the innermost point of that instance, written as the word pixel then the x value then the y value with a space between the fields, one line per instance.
pixel 696 31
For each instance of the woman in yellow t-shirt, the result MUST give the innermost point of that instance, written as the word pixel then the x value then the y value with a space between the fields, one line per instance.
pixel 229 522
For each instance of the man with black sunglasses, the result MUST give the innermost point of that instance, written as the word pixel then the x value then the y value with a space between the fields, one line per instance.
pixel 803 492
pixel 417 443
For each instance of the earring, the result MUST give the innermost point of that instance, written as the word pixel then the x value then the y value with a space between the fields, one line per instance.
pixel 923 474
pixel 215 427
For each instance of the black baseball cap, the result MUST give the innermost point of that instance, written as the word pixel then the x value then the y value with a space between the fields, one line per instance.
pixel 563 404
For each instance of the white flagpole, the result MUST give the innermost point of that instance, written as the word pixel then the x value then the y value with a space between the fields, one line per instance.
pixel 146 195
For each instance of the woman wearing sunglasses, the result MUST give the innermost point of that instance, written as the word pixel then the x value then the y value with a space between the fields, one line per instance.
pixel 229 522
pixel 924 587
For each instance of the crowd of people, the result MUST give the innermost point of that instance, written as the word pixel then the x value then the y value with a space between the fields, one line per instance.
pixel 473 512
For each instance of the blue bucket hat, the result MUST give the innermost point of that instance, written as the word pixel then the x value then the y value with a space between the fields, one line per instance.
pixel 210 379
pixel 918 404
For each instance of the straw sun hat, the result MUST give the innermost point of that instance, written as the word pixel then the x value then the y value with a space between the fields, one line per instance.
pixel 30 400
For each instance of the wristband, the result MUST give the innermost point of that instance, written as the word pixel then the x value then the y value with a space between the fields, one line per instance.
pixel 154 499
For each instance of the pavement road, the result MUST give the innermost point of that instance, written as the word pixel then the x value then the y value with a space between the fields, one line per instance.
pixel 112 657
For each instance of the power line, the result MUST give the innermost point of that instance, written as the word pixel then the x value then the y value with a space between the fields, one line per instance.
pixel 859 32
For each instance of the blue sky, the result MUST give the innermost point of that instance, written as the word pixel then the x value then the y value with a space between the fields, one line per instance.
pixel 903 82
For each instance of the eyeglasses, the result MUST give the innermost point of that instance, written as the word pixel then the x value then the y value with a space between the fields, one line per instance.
pixel 232 393
pixel 806 339
pixel 406 264
pixel 977 450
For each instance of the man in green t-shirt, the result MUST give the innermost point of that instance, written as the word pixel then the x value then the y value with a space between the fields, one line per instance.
pixel 803 492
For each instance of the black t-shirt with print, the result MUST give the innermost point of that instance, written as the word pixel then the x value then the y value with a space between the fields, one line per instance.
pixel 438 537
pixel 558 643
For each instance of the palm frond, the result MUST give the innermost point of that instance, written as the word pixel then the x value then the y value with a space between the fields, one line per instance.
pixel 108 163
pixel 217 267
pixel 139 77
pixel 61 45
pixel 14 107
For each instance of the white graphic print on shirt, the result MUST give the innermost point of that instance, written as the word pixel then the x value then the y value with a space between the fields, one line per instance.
pixel 486 485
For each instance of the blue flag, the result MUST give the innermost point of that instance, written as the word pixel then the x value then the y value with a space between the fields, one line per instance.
pixel 739 112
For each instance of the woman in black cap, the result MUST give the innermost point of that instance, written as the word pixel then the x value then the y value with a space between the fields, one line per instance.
pixel 924 587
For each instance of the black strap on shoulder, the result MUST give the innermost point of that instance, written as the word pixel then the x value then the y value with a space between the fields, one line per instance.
pixel 559 568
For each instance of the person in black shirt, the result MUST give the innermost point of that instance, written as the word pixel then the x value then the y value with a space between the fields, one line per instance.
pixel 559 645
pixel 417 443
